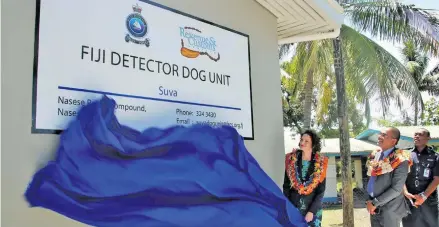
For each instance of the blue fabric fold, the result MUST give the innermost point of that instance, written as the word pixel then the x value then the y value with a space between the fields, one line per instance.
pixel 106 174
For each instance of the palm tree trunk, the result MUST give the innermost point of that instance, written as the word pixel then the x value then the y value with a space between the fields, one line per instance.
pixel 416 111
pixel 345 150
pixel 309 86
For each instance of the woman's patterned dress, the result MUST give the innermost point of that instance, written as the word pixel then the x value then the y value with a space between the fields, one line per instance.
pixel 306 203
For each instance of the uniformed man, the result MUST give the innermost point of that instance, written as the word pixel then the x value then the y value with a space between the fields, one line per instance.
pixel 422 182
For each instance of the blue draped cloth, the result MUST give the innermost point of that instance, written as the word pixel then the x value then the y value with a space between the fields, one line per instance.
pixel 106 174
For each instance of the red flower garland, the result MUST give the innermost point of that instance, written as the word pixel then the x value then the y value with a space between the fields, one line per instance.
pixel 319 175
pixel 388 164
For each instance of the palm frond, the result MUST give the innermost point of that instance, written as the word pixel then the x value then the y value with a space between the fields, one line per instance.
pixel 285 49
pixel 394 21
pixel 367 111
pixel 434 71
pixel 416 63
pixel 295 81
pixel 374 71
pixel 422 108
pixel 412 66
pixel 415 60
pixel 325 97
pixel 430 84
pixel 410 51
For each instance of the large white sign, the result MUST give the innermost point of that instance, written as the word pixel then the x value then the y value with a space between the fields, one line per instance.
pixel 163 67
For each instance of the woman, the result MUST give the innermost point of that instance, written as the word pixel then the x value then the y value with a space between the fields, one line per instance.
pixel 305 178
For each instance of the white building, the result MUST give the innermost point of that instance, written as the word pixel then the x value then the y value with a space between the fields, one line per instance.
pixel 407 133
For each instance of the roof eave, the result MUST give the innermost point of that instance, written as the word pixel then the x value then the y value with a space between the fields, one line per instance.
pixel 305 20
pixel 304 38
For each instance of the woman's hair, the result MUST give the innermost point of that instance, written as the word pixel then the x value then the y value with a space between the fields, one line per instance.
pixel 315 140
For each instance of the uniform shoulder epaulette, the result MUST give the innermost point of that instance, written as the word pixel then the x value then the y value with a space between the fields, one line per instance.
pixel 435 154
pixel 407 150
pixel 431 149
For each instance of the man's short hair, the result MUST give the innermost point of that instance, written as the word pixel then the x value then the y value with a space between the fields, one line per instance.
pixel 425 131
pixel 395 134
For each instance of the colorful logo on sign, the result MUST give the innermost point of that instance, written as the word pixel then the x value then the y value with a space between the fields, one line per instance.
pixel 137 27
pixel 194 44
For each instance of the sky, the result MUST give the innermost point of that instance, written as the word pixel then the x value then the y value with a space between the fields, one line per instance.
pixel 395 50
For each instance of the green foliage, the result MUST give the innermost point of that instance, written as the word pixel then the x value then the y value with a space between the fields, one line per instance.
pixel 327 120
pixel 338 168
pixel 431 113
pixel 392 123
pixel 329 127
pixel 370 70
pixel 434 72
pixel 416 62
pixel 328 124
pixel 292 107
pixel 377 72
pixel 394 21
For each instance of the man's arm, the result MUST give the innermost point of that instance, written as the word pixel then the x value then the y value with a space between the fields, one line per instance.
pixel 420 198
pixel 404 189
pixel 407 193
pixel 432 186
pixel 398 182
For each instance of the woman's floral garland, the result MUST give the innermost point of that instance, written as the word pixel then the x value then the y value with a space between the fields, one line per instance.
pixel 317 177
pixel 388 164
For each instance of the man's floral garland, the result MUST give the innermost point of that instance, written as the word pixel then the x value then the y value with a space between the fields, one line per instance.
pixel 317 177
pixel 388 164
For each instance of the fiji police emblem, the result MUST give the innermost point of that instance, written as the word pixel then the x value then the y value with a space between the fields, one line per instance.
pixel 137 27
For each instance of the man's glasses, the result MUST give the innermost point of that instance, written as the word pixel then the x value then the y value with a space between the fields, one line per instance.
pixel 383 134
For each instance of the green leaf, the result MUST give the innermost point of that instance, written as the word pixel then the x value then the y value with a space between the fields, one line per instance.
pixel 395 22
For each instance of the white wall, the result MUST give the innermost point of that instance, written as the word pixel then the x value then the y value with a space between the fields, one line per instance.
pixel 23 152
pixel 291 140
pixel 331 179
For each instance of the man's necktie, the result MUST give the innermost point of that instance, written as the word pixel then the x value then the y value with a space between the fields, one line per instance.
pixel 370 184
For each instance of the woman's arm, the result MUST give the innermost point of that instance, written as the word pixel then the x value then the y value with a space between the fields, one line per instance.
pixel 287 185
pixel 318 198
